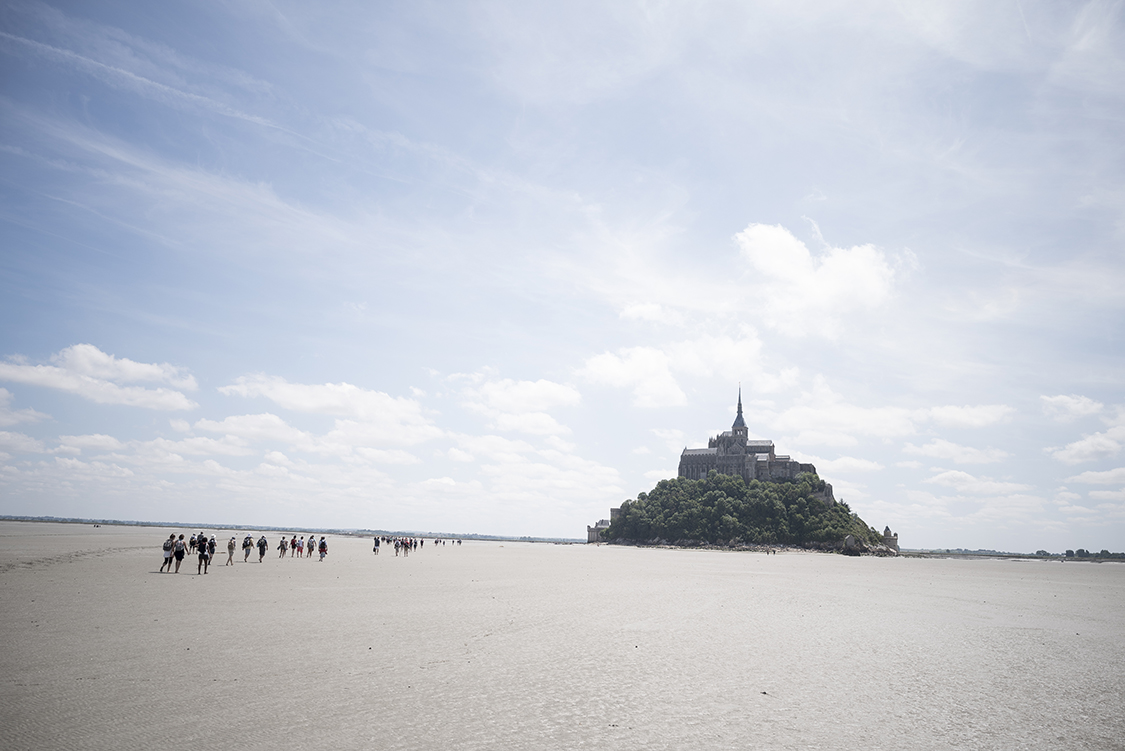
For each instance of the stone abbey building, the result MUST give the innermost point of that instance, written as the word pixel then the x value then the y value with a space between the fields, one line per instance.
pixel 733 453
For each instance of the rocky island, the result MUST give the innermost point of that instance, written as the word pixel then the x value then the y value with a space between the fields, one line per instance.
pixel 738 492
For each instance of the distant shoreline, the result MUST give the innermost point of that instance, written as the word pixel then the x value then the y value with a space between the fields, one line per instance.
pixel 261 528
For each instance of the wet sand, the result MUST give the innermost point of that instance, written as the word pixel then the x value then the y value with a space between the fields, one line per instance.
pixel 514 645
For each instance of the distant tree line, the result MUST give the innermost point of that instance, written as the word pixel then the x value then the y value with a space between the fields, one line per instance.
pixel 1081 553
pixel 724 509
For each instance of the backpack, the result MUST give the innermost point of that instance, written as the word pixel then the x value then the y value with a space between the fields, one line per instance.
pixel 323 548
pixel 167 545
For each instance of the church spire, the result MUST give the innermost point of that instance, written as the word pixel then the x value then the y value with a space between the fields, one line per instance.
pixel 739 423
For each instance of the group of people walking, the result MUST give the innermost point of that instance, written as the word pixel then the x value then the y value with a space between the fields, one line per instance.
pixel 177 548
pixel 297 546
pixel 405 544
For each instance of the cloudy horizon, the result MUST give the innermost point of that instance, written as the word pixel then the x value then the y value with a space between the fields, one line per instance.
pixel 486 268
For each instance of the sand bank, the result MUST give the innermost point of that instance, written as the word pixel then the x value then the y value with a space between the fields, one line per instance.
pixel 514 645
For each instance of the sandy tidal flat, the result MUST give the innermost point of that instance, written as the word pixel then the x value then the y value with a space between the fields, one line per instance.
pixel 513 645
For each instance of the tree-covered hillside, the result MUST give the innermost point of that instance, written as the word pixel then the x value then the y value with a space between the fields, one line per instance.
pixel 723 509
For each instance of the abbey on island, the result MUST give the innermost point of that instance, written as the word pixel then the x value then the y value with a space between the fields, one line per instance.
pixel 732 452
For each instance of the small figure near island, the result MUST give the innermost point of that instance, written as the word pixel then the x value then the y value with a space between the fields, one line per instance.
pixel 263 546
pixel 323 547
pixel 191 544
pixel 293 546
pixel 247 546
pixel 204 555
pixel 168 545
pixel 211 545
pixel 282 547
pixel 375 549
pixel 230 553
pixel 301 546
pixel 311 545
pixel 179 550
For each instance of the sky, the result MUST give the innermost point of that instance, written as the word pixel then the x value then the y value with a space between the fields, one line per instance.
pixel 490 267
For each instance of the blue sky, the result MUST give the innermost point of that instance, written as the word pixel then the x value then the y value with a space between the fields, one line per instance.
pixel 489 267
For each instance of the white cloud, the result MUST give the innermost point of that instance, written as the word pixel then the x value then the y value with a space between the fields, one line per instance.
pixel 258 428
pixel 20 443
pixel 846 465
pixel 645 370
pixel 910 464
pixel 377 416
pixel 823 418
pixel 655 475
pixel 672 437
pixel 1109 477
pixel 804 294
pixel 521 406
pixel 96 442
pixel 387 456
pixel 963 482
pixel 85 370
pixel 648 371
pixel 652 312
pixel 9 416
pixel 1067 408
pixel 196 446
pixel 942 449
pixel 86 359
pixel 1091 447
pixel 968 416
pixel 526 396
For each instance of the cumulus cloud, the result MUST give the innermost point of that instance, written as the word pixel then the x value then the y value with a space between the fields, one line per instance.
pixel 845 465
pixel 673 438
pixel 970 416
pixel 653 313
pixel 9 416
pixel 650 371
pixel 1091 447
pixel 520 406
pixel 822 417
pixel 1109 477
pixel 942 449
pixel 963 482
pixel 257 428
pixel 374 415
pixel 645 370
pixel 95 442
pixel 1064 408
pixel 804 294
pixel 85 370
pixel 20 443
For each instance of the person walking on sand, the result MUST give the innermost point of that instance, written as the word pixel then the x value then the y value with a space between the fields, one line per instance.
pixel 310 546
pixel 191 544
pixel 301 547
pixel 282 546
pixel 204 556
pixel 211 545
pixel 263 546
pixel 293 546
pixel 376 548
pixel 230 553
pixel 168 545
pixel 247 546
pixel 179 549
pixel 323 547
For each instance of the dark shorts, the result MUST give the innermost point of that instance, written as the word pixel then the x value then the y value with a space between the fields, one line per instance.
pixel 179 555
pixel 203 556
